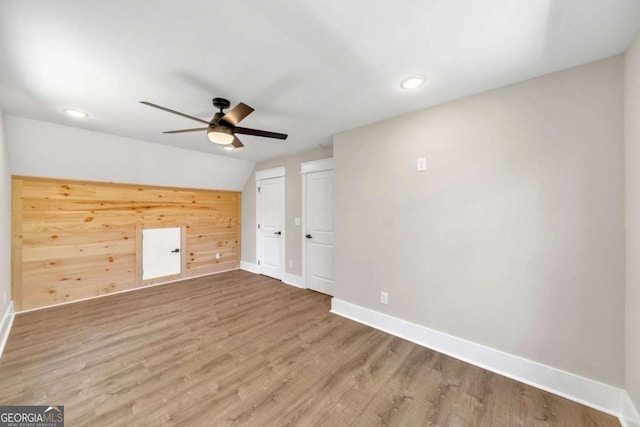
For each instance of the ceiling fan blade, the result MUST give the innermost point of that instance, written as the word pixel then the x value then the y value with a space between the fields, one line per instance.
pixel 236 143
pixel 238 113
pixel 184 130
pixel 174 112
pixel 256 132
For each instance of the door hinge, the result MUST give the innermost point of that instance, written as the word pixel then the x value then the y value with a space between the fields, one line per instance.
pixel 258 189
pixel 258 262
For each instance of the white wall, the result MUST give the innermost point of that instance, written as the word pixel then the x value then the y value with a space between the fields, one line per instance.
pixel 632 156
pixel 5 225
pixel 44 149
pixel 293 208
pixel 514 237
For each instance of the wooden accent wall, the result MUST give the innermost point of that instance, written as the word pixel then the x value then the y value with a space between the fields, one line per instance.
pixel 76 239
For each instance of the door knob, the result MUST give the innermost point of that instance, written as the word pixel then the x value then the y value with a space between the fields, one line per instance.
pixel 175 251
pixel 277 232
pixel 308 236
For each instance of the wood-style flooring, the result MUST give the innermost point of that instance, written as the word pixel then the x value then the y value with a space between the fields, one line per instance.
pixel 242 349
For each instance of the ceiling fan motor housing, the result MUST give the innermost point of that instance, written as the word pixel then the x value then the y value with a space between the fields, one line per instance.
pixel 216 120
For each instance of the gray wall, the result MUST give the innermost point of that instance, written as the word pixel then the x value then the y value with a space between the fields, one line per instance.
pixel 45 149
pixel 514 237
pixel 293 207
pixel 632 156
pixel 5 223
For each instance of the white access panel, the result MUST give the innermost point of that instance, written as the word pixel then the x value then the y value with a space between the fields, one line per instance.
pixel 161 252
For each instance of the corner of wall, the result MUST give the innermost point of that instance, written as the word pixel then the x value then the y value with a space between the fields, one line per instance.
pixel 632 225
pixel 6 306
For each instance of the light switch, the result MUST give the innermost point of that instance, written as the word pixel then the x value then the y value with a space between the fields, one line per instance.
pixel 422 164
pixel 296 221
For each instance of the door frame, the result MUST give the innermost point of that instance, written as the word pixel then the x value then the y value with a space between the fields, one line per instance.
pixel 279 172
pixel 305 169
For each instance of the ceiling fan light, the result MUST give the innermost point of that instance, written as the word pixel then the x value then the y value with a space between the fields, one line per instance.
pixel 220 135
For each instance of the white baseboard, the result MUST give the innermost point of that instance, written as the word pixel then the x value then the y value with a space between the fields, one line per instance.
pixel 250 267
pixel 630 416
pixel 5 326
pixel 600 396
pixel 288 278
pixel 293 280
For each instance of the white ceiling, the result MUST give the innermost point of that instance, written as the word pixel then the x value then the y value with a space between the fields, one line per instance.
pixel 309 68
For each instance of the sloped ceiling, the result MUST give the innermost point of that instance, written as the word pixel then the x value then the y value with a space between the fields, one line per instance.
pixel 310 69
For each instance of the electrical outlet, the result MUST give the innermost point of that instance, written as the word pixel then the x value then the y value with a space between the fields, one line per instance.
pixel 384 298
pixel 218 255
pixel 290 263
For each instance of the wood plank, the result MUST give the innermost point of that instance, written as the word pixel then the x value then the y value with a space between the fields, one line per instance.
pixel 78 190
pixel 138 254
pixel 102 205
pixel 208 268
pixel 17 240
pixel 60 293
pixel 38 239
pixel 78 252
pixel 183 252
pixel 101 270
pixel 81 231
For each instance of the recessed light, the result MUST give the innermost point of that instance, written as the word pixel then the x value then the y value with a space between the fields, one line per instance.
pixel 229 147
pixel 412 82
pixel 77 114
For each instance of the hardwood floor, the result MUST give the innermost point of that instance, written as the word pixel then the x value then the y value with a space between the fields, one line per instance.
pixel 242 349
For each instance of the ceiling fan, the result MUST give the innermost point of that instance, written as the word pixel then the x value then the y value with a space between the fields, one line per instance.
pixel 221 129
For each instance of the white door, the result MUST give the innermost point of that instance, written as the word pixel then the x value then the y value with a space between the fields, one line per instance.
pixel 319 231
pixel 160 252
pixel 270 223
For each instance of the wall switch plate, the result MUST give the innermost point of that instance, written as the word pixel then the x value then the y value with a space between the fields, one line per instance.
pixel 290 263
pixel 421 164
pixel 218 255
pixel 384 298
pixel 296 221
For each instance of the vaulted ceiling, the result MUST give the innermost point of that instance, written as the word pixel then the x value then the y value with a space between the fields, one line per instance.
pixel 309 68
